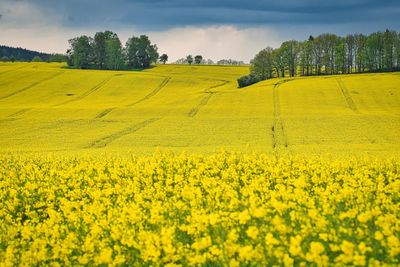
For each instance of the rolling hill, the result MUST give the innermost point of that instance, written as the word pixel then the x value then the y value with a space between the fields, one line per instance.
pixel 48 108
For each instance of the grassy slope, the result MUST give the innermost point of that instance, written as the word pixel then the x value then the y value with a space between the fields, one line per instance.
pixel 44 107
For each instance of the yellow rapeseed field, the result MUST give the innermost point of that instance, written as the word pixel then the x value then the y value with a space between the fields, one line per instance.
pixel 185 210
pixel 195 109
pixel 124 168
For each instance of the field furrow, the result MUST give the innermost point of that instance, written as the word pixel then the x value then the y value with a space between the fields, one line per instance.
pixel 20 112
pixel 209 93
pixel 13 69
pixel 104 141
pixel 53 76
pixel 347 96
pixel 279 138
pixel 152 93
pixel 104 113
pixel 8 119
pixel 87 93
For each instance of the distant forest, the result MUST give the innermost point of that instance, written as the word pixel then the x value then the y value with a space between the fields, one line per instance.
pixel 12 54
pixel 327 54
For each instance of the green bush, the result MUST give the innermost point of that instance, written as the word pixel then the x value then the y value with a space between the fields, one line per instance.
pixel 247 80
pixel 5 59
pixel 37 59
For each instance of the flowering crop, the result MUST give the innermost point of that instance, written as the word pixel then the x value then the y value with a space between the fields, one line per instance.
pixel 195 109
pixel 216 210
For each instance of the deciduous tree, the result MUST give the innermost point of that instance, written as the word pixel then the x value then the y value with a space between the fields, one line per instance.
pixel 81 51
pixel 140 52
pixel 198 59
pixel 189 59
pixel 262 64
pixel 114 56
pixel 164 58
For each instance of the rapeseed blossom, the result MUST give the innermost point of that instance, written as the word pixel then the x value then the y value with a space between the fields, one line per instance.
pixel 180 210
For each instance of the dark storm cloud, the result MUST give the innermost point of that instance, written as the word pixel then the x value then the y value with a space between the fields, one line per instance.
pixel 214 28
pixel 164 14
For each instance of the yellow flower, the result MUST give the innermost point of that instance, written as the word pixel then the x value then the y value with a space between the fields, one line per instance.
pixel 363 217
pixel 347 247
pixel 252 232
pixel 394 245
pixel 378 236
pixel 259 212
pixel 287 261
pixel 246 253
pixel 363 248
pixel 316 248
pixel 393 241
pixel 359 260
pixel 295 246
pixel 201 244
pixel 244 217
pixel 215 251
pixel 84 259
pixel 323 236
pixel 197 259
pixel 270 240
pixel 105 256
pixel 234 263
pixel 312 213
pixel 315 254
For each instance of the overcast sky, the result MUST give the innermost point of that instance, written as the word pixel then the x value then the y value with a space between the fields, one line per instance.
pixel 216 29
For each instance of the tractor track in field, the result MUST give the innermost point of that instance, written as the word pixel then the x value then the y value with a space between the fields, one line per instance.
pixel 59 123
pixel 279 138
pixel 88 92
pixel 104 141
pixel 204 101
pixel 104 113
pixel 152 93
pixel 31 85
pixel 9 119
pixel 107 111
pixel 19 112
pixel 51 125
pixel 347 96
pixel 193 112
pixel 7 71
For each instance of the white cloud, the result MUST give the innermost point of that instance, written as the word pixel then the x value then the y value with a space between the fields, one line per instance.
pixel 25 25
pixel 215 42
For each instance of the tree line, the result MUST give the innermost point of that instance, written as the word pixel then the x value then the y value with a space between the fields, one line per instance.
pixel 12 54
pixel 327 54
pixel 198 59
pixel 105 51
